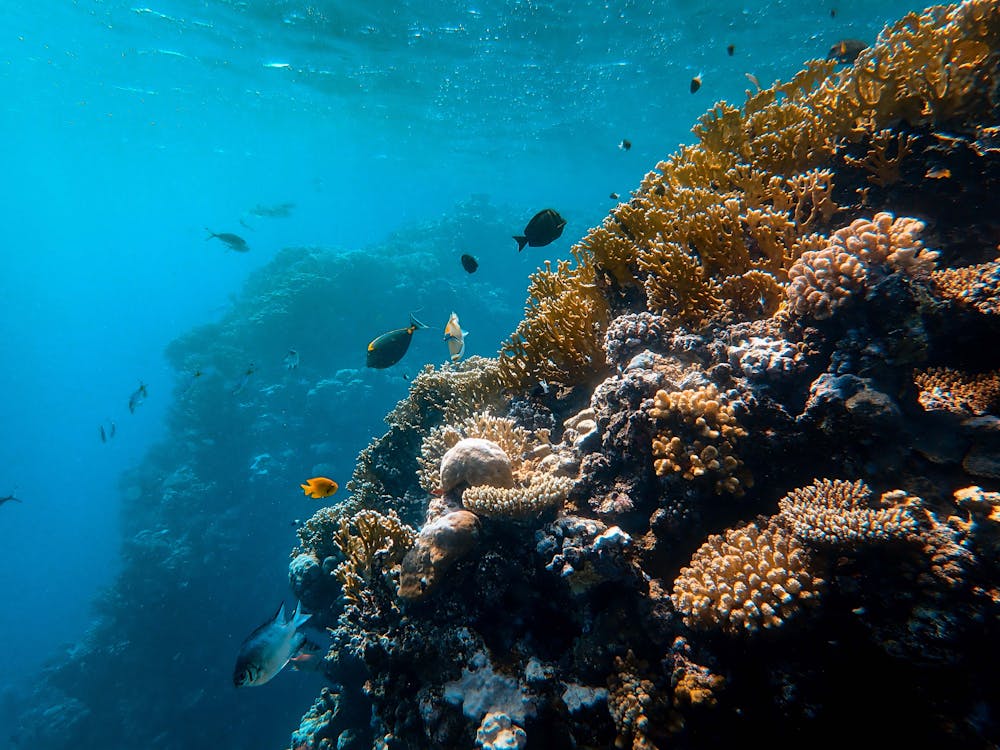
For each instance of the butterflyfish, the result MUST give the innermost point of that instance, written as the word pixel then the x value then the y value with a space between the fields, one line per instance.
pixel 389 348
pixel 454 336
pixel 319 487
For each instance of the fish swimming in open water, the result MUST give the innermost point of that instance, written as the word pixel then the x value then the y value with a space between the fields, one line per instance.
pixel 469 263
pixel 695 83
pixel 234 241
pixel 291 359
pixel 387 349
pixel 544 227
pixel 104 437
pixel 8 499
pixel 454 336
pixel 245 378
pixel 319 487
pixel 268 649
pixel 137 397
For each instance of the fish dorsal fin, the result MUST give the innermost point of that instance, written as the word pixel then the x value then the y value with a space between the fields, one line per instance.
pixel 279 616
pixel 416 324
pixel 300 617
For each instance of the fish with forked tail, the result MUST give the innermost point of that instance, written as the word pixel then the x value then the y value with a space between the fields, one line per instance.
pixel 269 648
pixel 233 241
pixel 546 226
pixel 387 349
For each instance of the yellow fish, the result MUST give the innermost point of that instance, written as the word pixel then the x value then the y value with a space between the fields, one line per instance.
pixel 319 487
pixel 454 336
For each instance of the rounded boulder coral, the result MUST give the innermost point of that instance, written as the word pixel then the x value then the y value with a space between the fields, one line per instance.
pixel 475 461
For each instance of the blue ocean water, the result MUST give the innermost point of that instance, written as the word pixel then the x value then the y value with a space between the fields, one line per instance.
pixel 129 127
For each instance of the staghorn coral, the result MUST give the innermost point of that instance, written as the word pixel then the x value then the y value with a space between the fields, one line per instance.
pixel 371 544
pixel 958 392
pixel 976 286
pixel 749 579
pixel 821 280
pixel 883 169
pixel 837 512
pixel 698 437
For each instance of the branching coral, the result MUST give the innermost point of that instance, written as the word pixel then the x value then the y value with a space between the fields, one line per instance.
pixel 822 280
pixel 958 392
pixel 372 544
pixel 631 700
pixel 885 157
pixel 748 579
pixel 541 492
pixel 976 286
pixel 698 436
pixel 837 512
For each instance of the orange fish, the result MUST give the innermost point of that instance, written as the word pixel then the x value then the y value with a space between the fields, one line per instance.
pixel 319 487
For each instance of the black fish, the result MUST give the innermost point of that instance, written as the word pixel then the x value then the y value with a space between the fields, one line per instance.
pixel 544 227
pixel 389 348
pixel 8 499
pixel 469 263
pixel 696 83
pixel 625 145
pixel 614 196
pixel 731 49
pixel 234 241
pixel 104 437
pixel 846 50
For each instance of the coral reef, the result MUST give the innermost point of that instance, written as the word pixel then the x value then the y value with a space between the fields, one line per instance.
pixel 622 529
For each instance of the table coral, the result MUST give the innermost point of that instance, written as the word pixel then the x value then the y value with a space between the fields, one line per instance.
pixel 977 286
pixel 834 511
pixel 958 392
pixel 749 579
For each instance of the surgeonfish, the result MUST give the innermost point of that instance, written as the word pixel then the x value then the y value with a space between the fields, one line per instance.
pixel 268 649
pixel 233 241
pixel 469 263
pixel 389 348
pixel 696 83
pixel 544 227
pixel 137 397
pixel 319 487
pixel 454 336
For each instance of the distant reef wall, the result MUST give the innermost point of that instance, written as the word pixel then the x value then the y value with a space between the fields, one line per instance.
pixel 735 475
pixel 209 514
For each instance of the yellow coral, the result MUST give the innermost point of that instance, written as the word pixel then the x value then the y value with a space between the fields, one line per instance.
pixel 885 157
pixel 834 511
pixel 541 492
pixel 749 579
pixel 372 544
pixel 698 438
pixel 977 286
pixel 958 392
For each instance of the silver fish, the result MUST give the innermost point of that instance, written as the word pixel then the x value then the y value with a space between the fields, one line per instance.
pixel 268 649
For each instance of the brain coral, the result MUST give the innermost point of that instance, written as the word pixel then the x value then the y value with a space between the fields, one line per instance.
pixel 749 579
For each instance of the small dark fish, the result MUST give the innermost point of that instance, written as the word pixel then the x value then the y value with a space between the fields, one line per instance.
pixel 625 145
pixel 731 50
pixel 389 348
pixel 469 263
pixel 544 227
pixel 833 12
pixel 268 649
pixel 9 498
pixel 137 397
pixel 291 359
pixel 696 83
pixel 614 196
pixel 234 241
pixel 104 437
pixel 846 50
pixel 405 376
pixel 251 369
pixel 114 429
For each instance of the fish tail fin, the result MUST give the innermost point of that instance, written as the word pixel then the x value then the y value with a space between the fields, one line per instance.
pixel 521 241
pixel 299 618
pixel 211 234
pixel 416 323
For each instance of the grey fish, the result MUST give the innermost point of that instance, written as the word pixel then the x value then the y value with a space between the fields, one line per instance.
pixel 846 50
pixel 544 227
pixel 104 437
pixel 137 397
pixel 234 241
pixel 9 498
pixel 389 348
pixel 278 211
pixel 268 649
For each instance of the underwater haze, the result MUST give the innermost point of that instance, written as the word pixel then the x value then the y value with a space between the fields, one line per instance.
pixel 370 144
